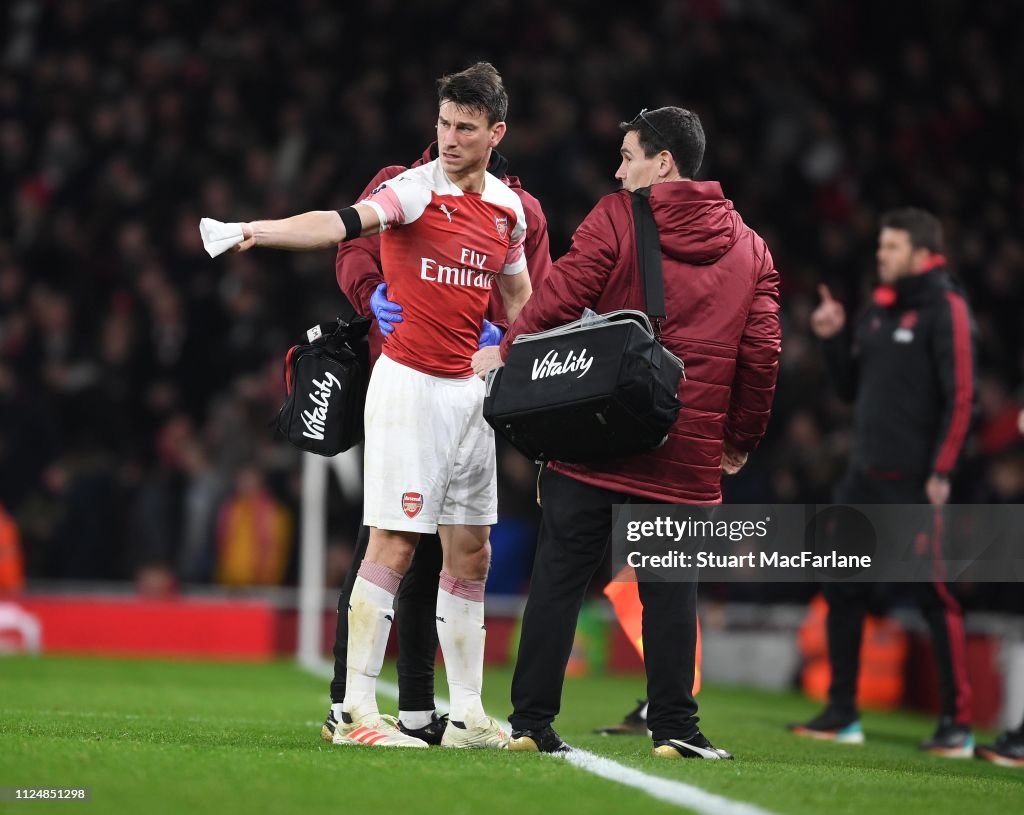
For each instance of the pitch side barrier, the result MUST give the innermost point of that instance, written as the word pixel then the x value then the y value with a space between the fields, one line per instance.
pixel 798 543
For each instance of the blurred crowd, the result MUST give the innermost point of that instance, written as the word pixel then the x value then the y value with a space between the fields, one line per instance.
pixel 138 378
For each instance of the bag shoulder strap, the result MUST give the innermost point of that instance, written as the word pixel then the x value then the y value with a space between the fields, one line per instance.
pixel 648 249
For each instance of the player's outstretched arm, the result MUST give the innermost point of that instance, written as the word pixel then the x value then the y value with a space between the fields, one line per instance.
pixel 320 229
pixel 310 230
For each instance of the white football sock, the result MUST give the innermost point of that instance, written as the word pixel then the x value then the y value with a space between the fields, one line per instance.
pixel 460 630
pixel 415 719
pixel 370 613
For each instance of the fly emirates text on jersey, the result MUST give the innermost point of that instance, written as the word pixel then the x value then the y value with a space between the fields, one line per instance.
pixel 472 274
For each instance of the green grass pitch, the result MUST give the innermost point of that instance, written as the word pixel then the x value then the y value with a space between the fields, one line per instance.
pixel 189 737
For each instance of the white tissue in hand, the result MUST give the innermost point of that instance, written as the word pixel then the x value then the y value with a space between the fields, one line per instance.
pixel 218 236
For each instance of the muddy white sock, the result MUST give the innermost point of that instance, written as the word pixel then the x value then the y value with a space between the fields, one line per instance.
pixel 460 630
pixel 370 613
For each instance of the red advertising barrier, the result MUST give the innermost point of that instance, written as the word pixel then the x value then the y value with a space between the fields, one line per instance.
pixel 194 628
pixel 224 629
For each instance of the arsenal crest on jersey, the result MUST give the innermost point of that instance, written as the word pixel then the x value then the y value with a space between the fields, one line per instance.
pixel 502 226
pixel 412 503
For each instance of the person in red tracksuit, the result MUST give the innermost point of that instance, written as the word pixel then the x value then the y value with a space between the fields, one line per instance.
pixel 722 307
pixel 359 275
pixel 908 366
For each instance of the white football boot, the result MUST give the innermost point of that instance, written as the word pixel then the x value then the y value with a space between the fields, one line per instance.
pixel 374 730
pixel 484 733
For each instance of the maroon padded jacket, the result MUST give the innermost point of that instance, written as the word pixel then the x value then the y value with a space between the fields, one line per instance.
pixel 722 320
pixel 357 265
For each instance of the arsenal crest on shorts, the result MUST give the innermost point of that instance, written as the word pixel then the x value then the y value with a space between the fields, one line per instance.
pixel 412 503
pixel 502 226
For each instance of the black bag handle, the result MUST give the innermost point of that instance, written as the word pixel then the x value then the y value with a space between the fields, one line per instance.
pixel 648 250
pixel 341 333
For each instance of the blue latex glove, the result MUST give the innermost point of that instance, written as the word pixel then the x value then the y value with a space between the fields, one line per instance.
pixel 384 310
pixel 490 334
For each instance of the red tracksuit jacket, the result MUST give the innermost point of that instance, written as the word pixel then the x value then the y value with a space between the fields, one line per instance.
pixel 722 303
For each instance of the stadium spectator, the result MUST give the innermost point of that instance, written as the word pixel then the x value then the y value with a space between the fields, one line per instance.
pixel 909 366
pixel 722 304
pixel 12 565
pixel 255 534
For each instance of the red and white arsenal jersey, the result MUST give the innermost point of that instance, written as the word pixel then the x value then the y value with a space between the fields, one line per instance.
pixel 440 252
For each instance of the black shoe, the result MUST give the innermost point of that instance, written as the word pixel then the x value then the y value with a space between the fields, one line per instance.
pixel 430 733
pixel 831 725
pixel 697 746
pixel 1008 751
pixel 538 741
pixel 635 723
pixel 950 740
pixel 330 725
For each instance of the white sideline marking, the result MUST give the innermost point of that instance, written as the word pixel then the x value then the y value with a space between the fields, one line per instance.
pixel 664 789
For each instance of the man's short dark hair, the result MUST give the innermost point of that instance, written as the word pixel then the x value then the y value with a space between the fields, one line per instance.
pixel 674 129
pixel 925 229
pixel 479 87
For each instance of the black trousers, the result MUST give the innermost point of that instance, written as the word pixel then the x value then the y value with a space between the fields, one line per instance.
pixel 576 522
pixel 415 607
pixel 848 605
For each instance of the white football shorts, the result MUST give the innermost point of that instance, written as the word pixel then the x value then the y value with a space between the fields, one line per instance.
pixel 428 455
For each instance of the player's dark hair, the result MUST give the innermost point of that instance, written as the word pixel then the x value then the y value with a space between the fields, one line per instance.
pixel 479 87
pixel 925 229
pixel 674 129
